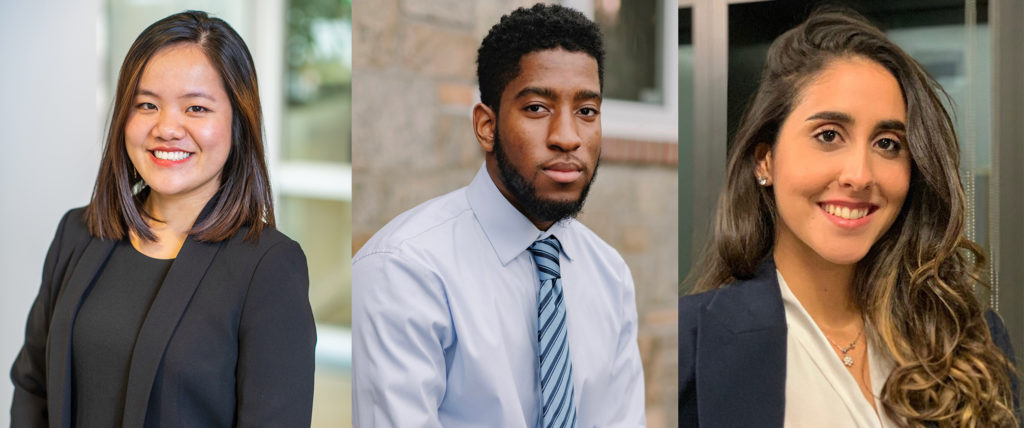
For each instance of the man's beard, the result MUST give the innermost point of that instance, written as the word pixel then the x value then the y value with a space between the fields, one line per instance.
pixel 525 194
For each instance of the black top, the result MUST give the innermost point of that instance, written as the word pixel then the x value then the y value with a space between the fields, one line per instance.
pixel 228 340
pixel 105 331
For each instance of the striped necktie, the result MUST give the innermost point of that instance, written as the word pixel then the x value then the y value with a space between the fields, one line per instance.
pixel 558 406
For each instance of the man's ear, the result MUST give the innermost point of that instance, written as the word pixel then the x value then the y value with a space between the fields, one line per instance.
pixel 763 157
pixel 484 125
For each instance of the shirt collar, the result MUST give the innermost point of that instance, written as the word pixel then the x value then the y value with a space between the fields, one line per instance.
pixel 508 230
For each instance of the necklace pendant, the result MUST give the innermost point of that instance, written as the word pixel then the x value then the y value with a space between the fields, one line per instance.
pixel 848 360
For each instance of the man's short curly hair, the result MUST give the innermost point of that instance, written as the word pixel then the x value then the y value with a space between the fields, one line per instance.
pixel 523 31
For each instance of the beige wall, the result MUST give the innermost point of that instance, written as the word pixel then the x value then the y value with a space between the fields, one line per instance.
pixel 414 86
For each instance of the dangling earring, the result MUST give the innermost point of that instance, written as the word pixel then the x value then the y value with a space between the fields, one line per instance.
pixel 136 182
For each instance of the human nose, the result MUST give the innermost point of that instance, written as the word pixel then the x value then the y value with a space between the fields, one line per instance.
pixel 168 126
pixel 856 173
pixel 563 133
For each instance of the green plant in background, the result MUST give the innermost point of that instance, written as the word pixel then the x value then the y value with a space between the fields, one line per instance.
pixel 318 49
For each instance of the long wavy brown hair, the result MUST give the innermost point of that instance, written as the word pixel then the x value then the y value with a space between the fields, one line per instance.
pixel 915 285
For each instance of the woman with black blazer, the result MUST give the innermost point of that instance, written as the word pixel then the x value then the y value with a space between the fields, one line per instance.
pixel 838 288
pixel 171 300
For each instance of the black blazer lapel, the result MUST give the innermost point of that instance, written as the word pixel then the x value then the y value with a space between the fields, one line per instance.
pixel 170 303
pixel 58 379
pixel 741 354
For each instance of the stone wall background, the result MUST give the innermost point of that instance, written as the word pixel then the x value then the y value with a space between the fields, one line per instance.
pixel 414 86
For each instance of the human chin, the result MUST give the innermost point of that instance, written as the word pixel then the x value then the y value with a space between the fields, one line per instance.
pixel 527 198
pixel 842 251
pixel 182 183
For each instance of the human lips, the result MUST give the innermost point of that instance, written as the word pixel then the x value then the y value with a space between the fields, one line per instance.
pixel 848 213
pixel 563 172
pixel 167 156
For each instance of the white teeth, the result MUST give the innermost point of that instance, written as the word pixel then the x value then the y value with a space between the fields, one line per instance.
pixel 171 156
pixel 846 212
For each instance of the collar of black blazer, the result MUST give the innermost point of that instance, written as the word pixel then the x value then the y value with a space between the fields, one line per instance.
pixel 740 365
pixel 170 303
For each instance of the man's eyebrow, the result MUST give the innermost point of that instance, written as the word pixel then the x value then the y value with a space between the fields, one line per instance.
pixel 586 95
pixel 580 95
pixel 533 90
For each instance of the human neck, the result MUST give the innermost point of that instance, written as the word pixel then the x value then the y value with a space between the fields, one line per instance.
pixel 170 218
pixel 824 289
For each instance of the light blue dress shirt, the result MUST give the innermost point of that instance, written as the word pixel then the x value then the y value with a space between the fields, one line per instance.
pixel 444 319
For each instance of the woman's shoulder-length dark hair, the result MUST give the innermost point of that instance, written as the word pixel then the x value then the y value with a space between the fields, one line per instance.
pixel 244 198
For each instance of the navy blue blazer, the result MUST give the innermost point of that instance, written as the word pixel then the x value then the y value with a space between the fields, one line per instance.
pixel 732 354
pixel 228 340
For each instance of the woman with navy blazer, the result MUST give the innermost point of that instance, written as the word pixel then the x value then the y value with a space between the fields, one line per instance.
pixel 838 289
pixel 171 299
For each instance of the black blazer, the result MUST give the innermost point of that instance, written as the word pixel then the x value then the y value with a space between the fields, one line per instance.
pixel 228 340
pixel 732 354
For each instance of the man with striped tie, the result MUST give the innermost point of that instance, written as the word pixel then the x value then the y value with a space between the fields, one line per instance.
pixel 492 305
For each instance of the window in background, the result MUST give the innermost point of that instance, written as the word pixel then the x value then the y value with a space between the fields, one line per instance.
pixel 315 165
pixel 313 183
pixel 640 79
pixel 318 81
pixel 631 44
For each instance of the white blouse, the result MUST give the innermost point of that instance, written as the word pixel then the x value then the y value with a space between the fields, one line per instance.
pixel 819 390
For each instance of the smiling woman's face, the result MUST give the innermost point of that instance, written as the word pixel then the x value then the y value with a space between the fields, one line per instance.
pixel 840 168
pixel 178 133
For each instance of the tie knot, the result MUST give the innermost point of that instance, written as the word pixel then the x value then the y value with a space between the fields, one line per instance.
pixel 545 254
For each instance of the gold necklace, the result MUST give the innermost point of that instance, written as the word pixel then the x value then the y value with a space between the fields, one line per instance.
pixel 847 360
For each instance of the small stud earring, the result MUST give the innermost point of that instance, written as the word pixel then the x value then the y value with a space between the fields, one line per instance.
pixel 762 181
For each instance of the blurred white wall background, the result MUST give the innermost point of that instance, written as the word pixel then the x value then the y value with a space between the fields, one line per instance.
pixel 50 136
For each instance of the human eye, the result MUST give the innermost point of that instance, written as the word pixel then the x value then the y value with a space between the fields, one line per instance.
pixel 890 145
pixel 827 136
pixel 197 109
pixel 535 108
pixel 145 106
pixel 589 112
